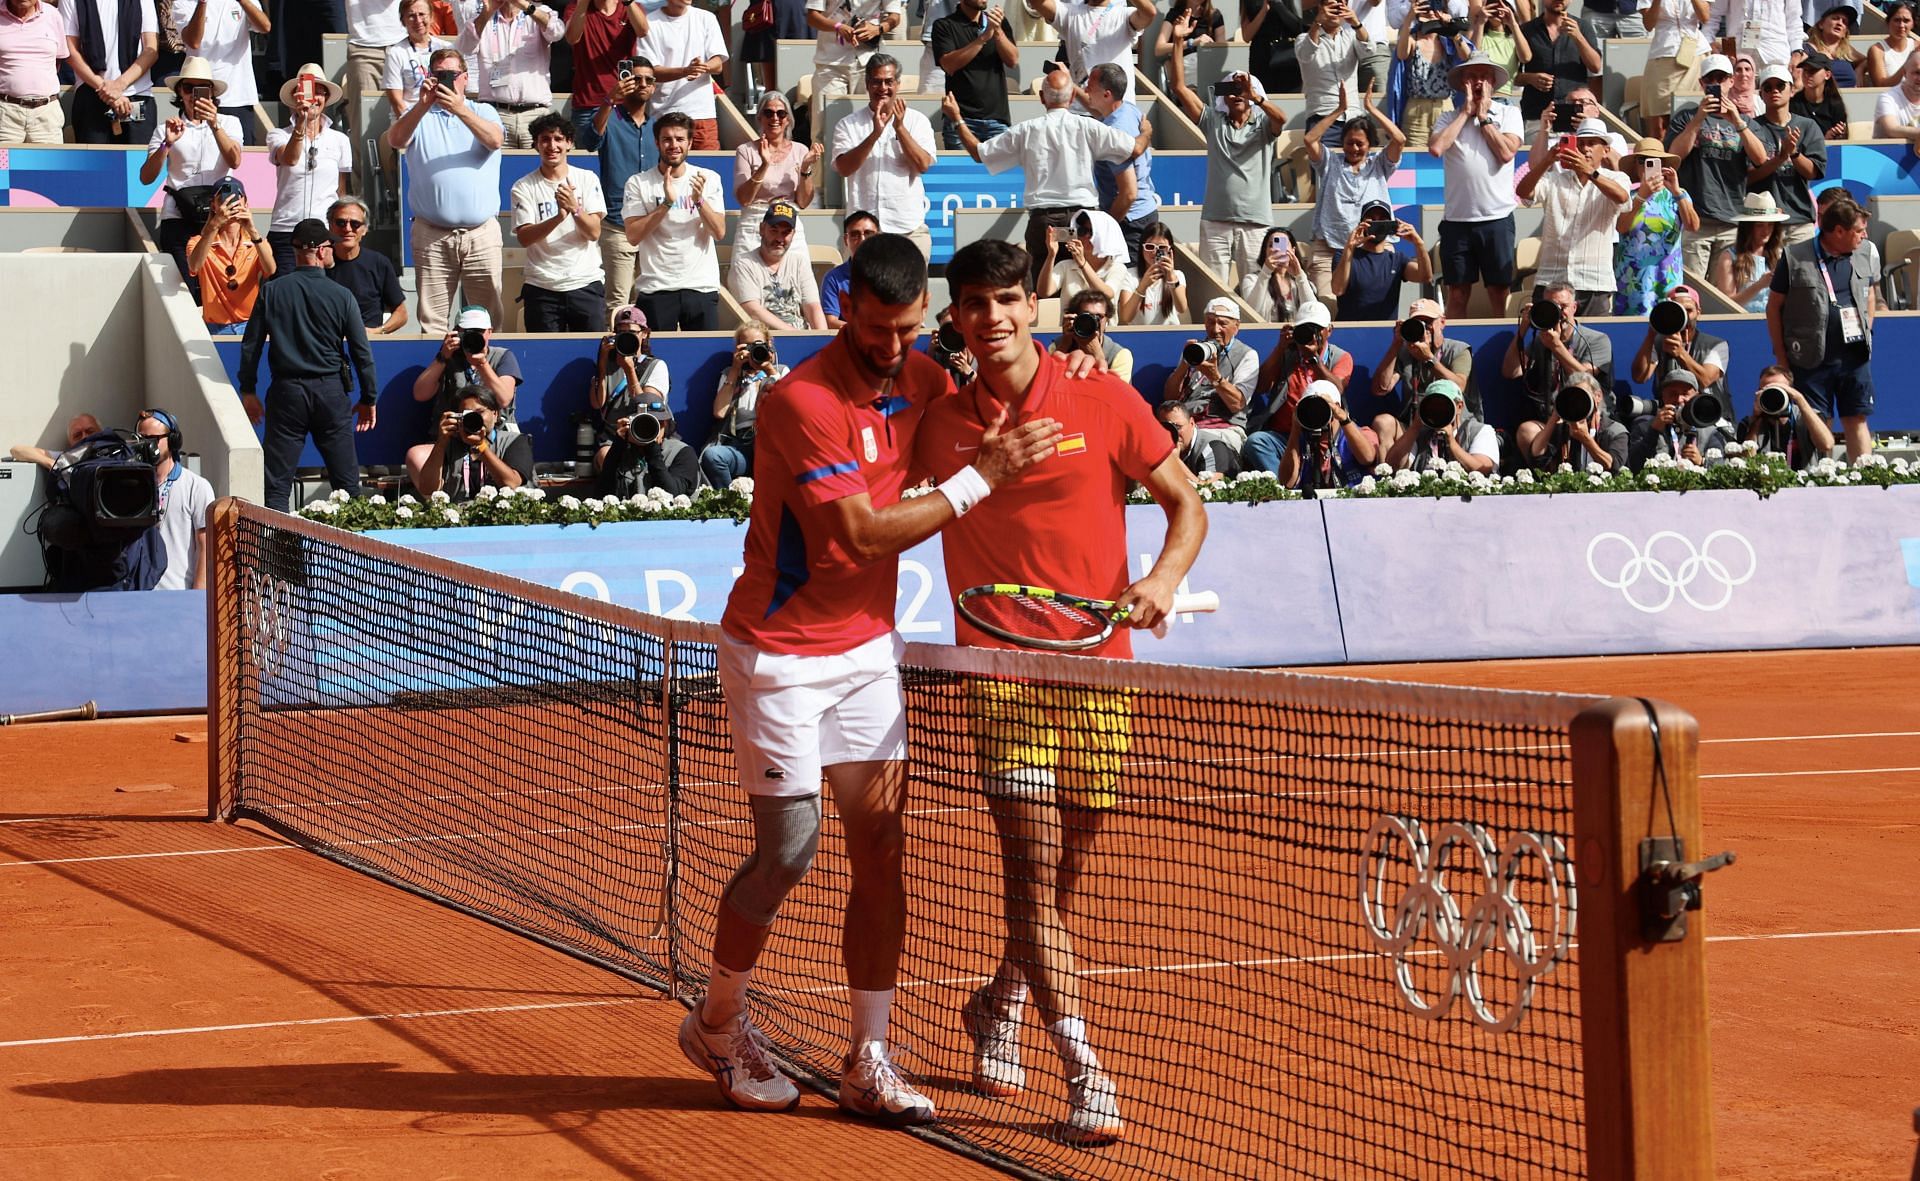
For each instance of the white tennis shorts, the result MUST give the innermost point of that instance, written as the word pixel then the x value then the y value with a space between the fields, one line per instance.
pixel 794 715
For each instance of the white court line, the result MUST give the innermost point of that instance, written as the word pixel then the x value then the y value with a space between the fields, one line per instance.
pixel 357 1017
pixel 1796 774
pixel 150 856
pixel 104 816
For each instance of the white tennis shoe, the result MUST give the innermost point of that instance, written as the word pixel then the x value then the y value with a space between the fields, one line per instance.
pixel 1094 1118
pixel 870 1087
pixel 996 1046
pixel 739 1058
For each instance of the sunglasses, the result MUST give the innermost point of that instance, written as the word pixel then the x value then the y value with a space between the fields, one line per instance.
pixel 232 284
pixel 341 223
pixel 776 113
pixel 1773 86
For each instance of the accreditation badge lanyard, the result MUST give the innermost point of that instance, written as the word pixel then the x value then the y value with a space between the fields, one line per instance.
pixel 1850 328
pixel 166 485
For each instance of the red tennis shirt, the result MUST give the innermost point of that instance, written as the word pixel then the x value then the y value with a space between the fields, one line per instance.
pixel 823 435
pixel 1062 523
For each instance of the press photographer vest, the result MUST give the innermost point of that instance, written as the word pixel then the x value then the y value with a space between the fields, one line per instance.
pixel 1466 428
pixel 1208 410
pixel 1700 349
pixel 1803 320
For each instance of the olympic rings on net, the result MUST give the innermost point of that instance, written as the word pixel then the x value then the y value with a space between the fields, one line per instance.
pixel 266 611
pixel 1494 921
pixel 1678 576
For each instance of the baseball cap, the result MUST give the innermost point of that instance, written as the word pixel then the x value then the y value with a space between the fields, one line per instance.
pixel 1222 306
pixel 311 233
pixel 1443 386
pixel 1680 376
pixel 1424 309
pixel 1375 210
pixel 472 317
pixel 630 316
pixel 1313 313
pixel 778 211
pixel 1775 72
pixel 1715 63
pixel 1816 61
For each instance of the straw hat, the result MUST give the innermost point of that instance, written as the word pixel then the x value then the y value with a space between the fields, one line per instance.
pixel 197 69
pixel 1760 207
pixel 1650 149
pixel 334 93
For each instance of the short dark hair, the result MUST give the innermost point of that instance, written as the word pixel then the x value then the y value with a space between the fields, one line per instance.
pixel 551 121
pixel 443 53
pixel 480 393
pixel 890 268
pixel 1157 230
pixel 672 119
pixel 1087 295
pixel 846 223
pixel 1843 214
pixel 989 263
pixel 881 61
pixel 642 63
pixel 1111 78
pixel 1168 407
pixel 1365 125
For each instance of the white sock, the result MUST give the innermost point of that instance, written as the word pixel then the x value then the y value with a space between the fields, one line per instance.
pixel 870 1010
pixel 1069 1036
pixel 1010 989
pixel 726 995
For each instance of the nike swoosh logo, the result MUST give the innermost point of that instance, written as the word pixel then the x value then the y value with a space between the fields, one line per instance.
pixel 965 447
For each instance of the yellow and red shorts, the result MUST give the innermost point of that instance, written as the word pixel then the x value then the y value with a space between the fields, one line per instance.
pixel 1080 735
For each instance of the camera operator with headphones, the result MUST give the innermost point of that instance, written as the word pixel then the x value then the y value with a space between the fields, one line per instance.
pixel 1684 426
pixel 471 451
pixel 183 498
pixel 1085 331
pixel 1326 448
pixel 755 366
pixel 1578 432
pixel 1447 431
pixel 646 454
pixel 1561 347
pixel 1784 423
pixel 1674 341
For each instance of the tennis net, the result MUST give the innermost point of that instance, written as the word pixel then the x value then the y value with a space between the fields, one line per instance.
pixel 1290 869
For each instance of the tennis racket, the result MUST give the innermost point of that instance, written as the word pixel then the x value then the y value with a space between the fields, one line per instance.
pixel 1035 617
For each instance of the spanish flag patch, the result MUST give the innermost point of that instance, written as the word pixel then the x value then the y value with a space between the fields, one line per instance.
pixel 1071 444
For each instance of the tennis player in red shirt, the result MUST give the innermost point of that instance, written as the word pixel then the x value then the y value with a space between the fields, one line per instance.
pixel 1051 755
pixel 808 660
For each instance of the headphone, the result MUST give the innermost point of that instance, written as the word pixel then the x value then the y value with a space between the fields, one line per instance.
pixel 173 432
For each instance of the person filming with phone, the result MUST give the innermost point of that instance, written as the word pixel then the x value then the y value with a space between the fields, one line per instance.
pixel 1712 141
pixel 1368 275
pixel 1579 198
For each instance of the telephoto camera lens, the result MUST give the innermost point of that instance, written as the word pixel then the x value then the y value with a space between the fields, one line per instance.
pixel 1307 335
pixel 1314 414
pixel 643 428
pixel 1771 401
pixel 1702 411
pixel 951 340
pixel 1573 404
pixel 473 423
pixel 1413 331
pixel 1668 317
pixel 1545 315
pixel 473 341
pixel 759 352
pixel 1085 326
pixel 1196 352
pixel 1436 411
pixel 627 344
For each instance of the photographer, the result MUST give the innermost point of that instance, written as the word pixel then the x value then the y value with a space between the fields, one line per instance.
pixel 1446 432
pixel 646 454
pixel 1580 199
pixel 1578 432
pixel 1326 448
pixel 471 451
pixel 1160 296
pixel 1215 377
pixel 1419 355
pixel 948 348
pixel 626 373
pixel 1685 426
pixel 1429 45
pixel 467 360
pixel 1367 277
pixel 1674 341
pixel 1304 354
pixel 1560 59
pixel 1084 330
pixel 78 427
pixel 1208 461
pixel 1784 423
pixel 1560 348
pixel 755 366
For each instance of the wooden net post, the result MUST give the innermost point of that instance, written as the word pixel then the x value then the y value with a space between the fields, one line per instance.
pixel 1643 1000
pixel 223 656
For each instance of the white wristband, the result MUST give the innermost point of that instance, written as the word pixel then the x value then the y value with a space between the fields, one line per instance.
pixel 964 489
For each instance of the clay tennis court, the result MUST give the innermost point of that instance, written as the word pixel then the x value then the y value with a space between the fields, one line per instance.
pixel 383 1036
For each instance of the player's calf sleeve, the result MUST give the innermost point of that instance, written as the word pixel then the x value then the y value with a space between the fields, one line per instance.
pixel 786 835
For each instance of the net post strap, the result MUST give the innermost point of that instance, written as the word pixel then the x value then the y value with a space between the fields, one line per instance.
pixel 1643 1003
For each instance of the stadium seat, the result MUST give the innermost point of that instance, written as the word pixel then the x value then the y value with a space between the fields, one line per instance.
pixel 1900 282
pixel 1630 105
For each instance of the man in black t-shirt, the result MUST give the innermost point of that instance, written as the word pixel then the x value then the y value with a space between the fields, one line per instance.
pixel 369 274
pixel 1561 59
pixel 975 49
pixel 474 453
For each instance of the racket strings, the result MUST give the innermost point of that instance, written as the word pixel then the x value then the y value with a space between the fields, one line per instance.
pixel 1047 619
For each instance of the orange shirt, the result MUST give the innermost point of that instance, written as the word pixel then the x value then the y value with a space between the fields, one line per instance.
pixel 822 436
pixel 227 297
pixel 1062 523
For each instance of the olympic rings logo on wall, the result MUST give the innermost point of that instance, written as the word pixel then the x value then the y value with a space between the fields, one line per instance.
pixel 266 613
pixel 1495 921
pixel 1673 568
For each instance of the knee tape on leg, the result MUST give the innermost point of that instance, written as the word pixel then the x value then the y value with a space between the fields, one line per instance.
pixel 786 834
pixel 1021 783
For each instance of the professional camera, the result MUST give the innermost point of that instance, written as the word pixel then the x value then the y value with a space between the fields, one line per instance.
pixel 759 352
pixel 1415 331
pixel 1437 411
pixel 1307 336
pixel 644 428
pixel 473 423
pixel 948 343
pixel 473 341
pixel 1634 406
pixel 1702 411
pixel 1173 431
pixel 1084 326
pixel 1573 404
pixel 627 344
pixel 1199 352
pixel 96 526
pixel 1314 413
pixel 1772 402
pixel 1668 317
pixel 1545 315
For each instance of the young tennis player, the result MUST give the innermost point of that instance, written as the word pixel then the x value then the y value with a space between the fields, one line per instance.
pixel 1051 755
pixel 808 663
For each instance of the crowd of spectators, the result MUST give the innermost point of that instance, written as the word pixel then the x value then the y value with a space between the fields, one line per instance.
pixel 1738 103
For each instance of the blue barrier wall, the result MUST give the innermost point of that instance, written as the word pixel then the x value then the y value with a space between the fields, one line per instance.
pixel 141 652
pixel 559 370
